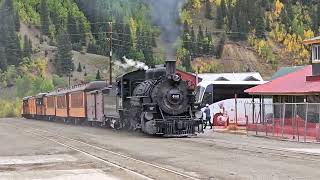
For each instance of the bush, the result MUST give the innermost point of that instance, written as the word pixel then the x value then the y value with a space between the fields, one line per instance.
pixel 77 47
pixel 10 108
pixel 58 82
pixel 92 48
pixel 89 78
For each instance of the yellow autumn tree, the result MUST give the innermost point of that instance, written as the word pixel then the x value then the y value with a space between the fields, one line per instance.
pixel 206 66
pixel 133 29
pixel 196 5
pixel 278 8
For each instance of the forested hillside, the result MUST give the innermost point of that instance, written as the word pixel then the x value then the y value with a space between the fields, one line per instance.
pixel 43 43
pixel 273 29
pixel 45 60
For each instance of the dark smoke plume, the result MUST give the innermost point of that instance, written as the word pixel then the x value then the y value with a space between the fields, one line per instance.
pixel 165 13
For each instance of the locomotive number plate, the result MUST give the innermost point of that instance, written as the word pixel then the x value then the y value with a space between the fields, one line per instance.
pixel 175 96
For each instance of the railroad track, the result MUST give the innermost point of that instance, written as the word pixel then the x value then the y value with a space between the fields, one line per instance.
pixel 258 149
pixel 138 168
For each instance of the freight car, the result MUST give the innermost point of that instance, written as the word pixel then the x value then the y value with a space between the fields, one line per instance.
pixel 155 101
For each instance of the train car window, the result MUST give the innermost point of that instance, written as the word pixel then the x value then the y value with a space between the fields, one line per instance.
pixel 61 102
pixel 39 101
pixel 77 100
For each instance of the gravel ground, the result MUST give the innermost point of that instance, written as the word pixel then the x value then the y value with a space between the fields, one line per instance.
pixel 207 156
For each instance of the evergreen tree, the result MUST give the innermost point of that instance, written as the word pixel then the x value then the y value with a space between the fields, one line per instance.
pixel 260 25
pixel 186 37
pixel 3 59
pixel 3 40
pixel 98 76
pixel 186 62
pixel 315 19
pixel 82 32
pixel 31 47
pixel 250 9
pixel 289 10
pixel 92 48
pixel 127 39
pixel 64 63
pixel 17 21
pixel 13 49
pixel 219 19
pixel 119 37
pixel 79 69
pixel 27 47
pixel 208 11
pixel 44 17
pixel 194 47
pixel 18 52
pixel 73 29
pixel 230 16
pixel 210 48
pixel 103 43
pixel 220 46
pixel 8 37
pixel 234 29
pixel 154 42
pixel 140 39
pixel 223 8
pixel 243 26
pixel 147 49
pixel 200 39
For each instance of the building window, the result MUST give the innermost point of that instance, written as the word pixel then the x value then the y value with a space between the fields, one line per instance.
pixel 316 53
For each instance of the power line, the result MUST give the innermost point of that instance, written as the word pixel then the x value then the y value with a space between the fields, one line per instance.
pixel 151 26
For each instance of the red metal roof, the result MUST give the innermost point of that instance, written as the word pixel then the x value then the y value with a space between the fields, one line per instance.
pixel 291 84
pixel 190 78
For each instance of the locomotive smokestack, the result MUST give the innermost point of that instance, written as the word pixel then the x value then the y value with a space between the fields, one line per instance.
pixel 171 67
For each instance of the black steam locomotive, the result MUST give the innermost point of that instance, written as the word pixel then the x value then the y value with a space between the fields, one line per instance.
pixel 158 101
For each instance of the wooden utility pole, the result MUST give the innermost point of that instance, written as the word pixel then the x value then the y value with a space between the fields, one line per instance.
pixel 110 51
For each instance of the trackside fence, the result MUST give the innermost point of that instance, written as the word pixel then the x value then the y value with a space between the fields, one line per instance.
pixel 291 121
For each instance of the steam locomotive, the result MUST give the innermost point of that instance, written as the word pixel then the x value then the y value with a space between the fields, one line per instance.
pixel 156 101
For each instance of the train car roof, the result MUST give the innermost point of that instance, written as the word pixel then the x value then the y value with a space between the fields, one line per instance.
pixel 83 87
pixel 130 74
pixel 41 95
pixel 26 98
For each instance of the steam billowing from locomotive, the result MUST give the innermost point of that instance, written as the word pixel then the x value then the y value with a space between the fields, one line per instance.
pixel 166 14
pixel 129 63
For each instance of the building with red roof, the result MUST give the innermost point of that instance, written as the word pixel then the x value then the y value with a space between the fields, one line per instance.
pixel 299 86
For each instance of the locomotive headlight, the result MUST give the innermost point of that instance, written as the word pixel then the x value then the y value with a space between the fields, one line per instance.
pixel 198 114
pixel 148 116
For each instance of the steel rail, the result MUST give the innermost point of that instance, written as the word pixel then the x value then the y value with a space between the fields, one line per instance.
pixel 108 151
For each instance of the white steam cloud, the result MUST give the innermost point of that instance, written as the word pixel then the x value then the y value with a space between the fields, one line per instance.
pixel 128 63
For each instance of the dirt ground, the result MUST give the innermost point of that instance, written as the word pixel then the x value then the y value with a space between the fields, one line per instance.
pixel 207 156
